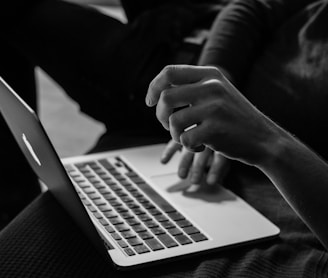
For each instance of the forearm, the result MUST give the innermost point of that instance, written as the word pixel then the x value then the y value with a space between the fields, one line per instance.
pixel 242 29
pixel 302 178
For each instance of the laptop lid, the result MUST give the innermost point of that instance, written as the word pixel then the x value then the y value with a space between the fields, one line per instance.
pixel 28 132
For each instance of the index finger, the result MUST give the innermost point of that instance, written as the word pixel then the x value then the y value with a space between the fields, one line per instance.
pixel 174 75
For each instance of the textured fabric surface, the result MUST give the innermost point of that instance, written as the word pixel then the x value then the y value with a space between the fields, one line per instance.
pixel 44 242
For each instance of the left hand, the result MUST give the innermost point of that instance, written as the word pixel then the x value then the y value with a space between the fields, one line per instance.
pixel 206 164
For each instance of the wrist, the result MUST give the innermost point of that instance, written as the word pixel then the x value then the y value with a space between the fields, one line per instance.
pixel 276 150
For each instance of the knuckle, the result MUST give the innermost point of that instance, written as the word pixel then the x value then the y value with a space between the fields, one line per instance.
pixel 165 97
pixel 214 86
pixel 186 141
pixel 214 71
pixel 168 71
pixel 174 120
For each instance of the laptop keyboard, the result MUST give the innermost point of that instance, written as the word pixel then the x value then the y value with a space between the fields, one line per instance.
pixel 133 213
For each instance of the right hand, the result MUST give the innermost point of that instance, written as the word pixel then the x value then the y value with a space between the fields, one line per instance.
pixel 214 115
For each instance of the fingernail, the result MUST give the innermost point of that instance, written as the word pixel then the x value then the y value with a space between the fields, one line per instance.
pixel 182 172
pixel 149 102
pixel 211 179
pixel 164 159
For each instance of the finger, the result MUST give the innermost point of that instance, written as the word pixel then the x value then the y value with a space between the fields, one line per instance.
pixel 176 75
pixel 184 120
pixel 218 170
pixel 170 149
pixel 199 165
pixel 185 163
pixel 194 139
pixel 176 98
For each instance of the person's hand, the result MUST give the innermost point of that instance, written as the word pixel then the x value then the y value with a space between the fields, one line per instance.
pixel 200 107
pixel 206 164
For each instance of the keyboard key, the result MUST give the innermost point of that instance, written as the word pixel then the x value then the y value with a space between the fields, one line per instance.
pixel 136 194
pixel 106 164
pixel 154 211
pixel 151 224
pixel 121 209
pixel 129 251
pixel 110 214
pixel 157 231
pixel 191 230
pixel 145 235
pixel 121 194
pixel 99 186
pixel 126 215
pixel 99 202
pixel 128 234
pixel 133 205
pixel 167 241
pixel 141 249
pixel 86 202
pixel 92 209
pixel 104 208
pixel 183 223
pixel 168 224
pixel 109 196
pixel 98 215
pixel 126 199
pixel 175 216
pixel 139 228
pixel 115 203
pixel 137 180
pixel 103 222
pixel 182 239
pixel 110 229
pixel 116 236
pixel 161 218
pixel 138 211
pixel 143 200
pixel 94 196
pixel 122 227
pixel 89 190
pixel 144 217
pixel 125 183
pixel 134 241
pixel 132 221
pixel 116 221
pixel 104 190
pixel 154 244
pixel 122 243
pixel 198 237
pixel 174 231
pixel 130 188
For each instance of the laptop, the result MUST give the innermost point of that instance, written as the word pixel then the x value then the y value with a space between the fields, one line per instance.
pixel 135 210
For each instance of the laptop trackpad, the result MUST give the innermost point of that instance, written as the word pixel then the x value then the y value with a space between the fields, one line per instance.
pixel 187 194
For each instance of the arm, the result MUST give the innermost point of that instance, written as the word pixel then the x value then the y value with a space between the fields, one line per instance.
pixel 228 123
pixel 242 29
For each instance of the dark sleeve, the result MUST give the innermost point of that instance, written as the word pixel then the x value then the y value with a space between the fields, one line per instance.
pixel 133 8
pixel 242 29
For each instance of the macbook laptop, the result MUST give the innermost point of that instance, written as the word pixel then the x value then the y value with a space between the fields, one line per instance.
pixel 135 210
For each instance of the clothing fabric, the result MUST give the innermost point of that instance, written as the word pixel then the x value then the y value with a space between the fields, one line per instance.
pixel 276 52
